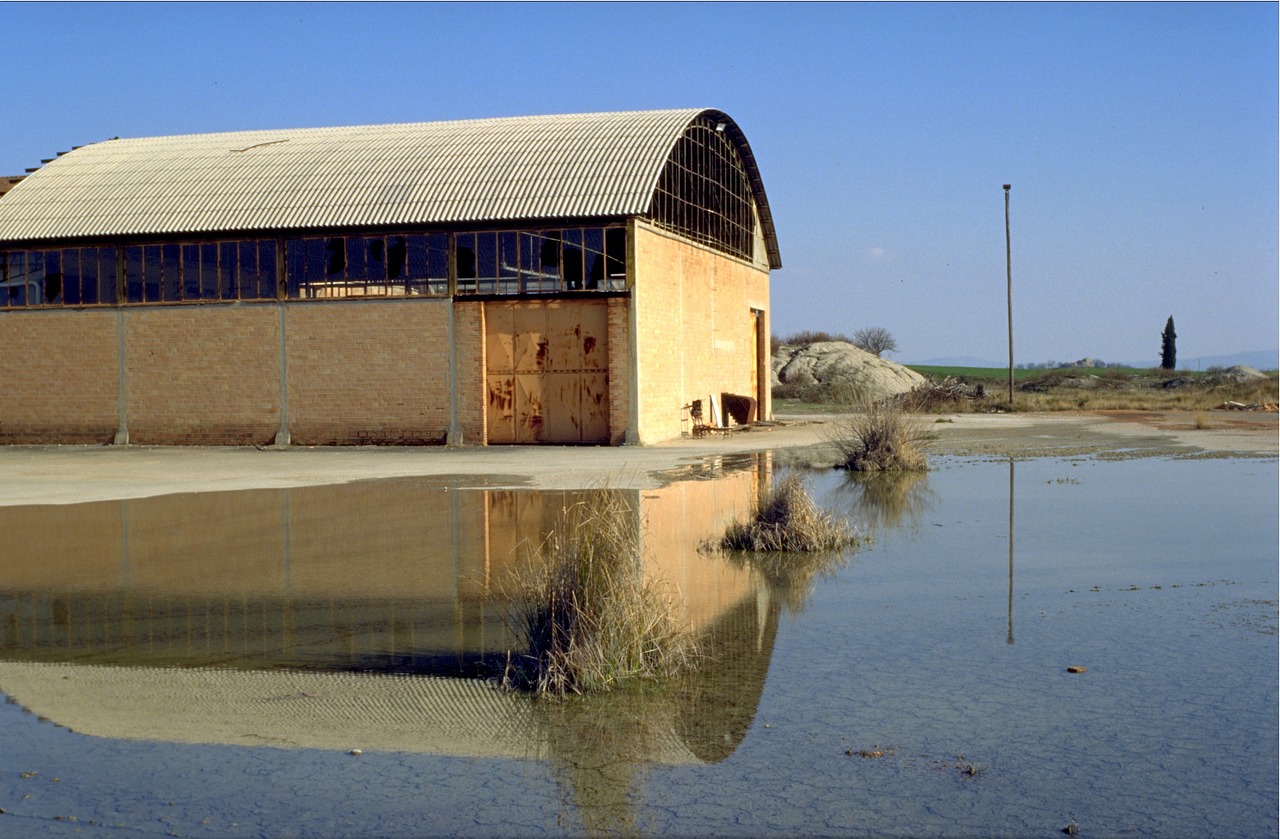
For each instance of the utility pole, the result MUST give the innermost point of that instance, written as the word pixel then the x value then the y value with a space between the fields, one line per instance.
pixel 1008 272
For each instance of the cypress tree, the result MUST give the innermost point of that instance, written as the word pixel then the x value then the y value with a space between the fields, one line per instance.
pixel 1168 347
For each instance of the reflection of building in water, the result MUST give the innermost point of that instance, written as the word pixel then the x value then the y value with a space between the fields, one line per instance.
pixel 702 720
pixel 397 574
pixel 344 582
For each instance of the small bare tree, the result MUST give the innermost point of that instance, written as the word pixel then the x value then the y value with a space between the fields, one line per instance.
pixel 875 340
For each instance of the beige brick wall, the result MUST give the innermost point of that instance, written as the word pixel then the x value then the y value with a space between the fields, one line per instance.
pixel 368 372
pixel 202 374
pixel 58 376
pixel 619 369
pixel 695 334
pixel 468 336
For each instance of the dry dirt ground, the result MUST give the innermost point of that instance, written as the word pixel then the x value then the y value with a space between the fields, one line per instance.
pixel 72 474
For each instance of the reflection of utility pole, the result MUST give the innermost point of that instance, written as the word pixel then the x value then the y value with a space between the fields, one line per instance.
pixel 1010 638
pixel 1008 273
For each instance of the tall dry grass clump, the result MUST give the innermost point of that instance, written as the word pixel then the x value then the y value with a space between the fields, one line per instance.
pixel 879 437
pixel 586 615
pixel 787 520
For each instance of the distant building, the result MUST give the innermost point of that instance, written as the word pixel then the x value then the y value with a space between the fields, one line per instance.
pixel 558 279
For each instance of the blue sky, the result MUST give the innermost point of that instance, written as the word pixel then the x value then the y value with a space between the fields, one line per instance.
pixel 1141 140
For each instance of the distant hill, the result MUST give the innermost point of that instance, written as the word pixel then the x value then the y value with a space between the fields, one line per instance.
pixel 1258 359
pixel 958 361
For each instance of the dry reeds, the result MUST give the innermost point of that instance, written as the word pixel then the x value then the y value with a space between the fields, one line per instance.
pixel 879 437
pixel 787 520
pixel 587 616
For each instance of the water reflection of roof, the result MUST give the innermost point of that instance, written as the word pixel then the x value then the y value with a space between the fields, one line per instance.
pixel 291 709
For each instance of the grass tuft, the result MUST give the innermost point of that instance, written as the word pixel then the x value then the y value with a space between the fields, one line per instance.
pixel 588 618
pixel 787 520
pixel 880 437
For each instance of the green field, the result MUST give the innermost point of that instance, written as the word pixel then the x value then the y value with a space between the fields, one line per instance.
pixel 1002 373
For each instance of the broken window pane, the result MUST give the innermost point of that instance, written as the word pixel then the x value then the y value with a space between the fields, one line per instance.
pixel 465 254
pixel 357 260
pixel 52 291
pixel 315 267
pixel 486 262
pixel 548 276
pixel 15 279
pixel 573 259
pixel 335 257
pixel 397 252
pixel 593 256
pixel 438 263
pixel 415 270
pixel 615 251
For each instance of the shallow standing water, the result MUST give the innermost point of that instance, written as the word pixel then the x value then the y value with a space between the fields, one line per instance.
pixel 922 689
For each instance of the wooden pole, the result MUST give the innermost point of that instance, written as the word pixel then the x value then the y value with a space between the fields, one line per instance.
pixel 1008 271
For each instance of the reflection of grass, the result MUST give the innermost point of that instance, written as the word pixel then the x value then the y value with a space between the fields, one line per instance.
pixel 787 520
pixel 599 747
pixel 792 577
pixel 587 616
pixel 790 541
pixel 885 499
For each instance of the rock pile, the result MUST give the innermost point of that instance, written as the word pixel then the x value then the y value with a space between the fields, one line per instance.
pixel 838 370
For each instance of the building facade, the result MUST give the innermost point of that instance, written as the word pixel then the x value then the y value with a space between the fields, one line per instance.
pixel 566 279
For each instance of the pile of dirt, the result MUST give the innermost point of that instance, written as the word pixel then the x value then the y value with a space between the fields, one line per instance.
pixel 1239 374
pixel 839 370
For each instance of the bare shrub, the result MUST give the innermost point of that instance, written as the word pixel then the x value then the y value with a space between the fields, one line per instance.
pixel 810 336
pixel 880 437
pixel 588 617
pixel 787 520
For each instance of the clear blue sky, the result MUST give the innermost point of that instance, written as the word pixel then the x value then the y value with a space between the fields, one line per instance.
pixel 1141 140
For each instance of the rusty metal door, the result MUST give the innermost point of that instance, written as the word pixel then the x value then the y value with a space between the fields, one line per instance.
pixel 547 371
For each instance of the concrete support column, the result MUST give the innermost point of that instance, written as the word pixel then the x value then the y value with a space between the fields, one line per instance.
pixel 282 431
pixel 122 378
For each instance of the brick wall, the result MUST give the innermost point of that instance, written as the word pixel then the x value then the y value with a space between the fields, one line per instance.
pixel 58 376
pixel 695 331
pixel 368 372
pixel 619 315
pixel 202 374
pixel 468 336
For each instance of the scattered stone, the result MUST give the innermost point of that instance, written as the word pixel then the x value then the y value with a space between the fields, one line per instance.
pixel 1077 668
pixel 357 752
pixel 1071 829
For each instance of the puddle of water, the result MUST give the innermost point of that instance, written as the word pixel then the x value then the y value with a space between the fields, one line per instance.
pixel 921 687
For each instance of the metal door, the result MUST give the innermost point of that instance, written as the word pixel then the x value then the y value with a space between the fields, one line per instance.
pixel 547 371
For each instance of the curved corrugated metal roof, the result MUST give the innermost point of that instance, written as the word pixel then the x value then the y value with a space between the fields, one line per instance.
pixel 485 170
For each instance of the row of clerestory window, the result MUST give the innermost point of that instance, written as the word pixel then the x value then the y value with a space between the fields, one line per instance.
pixel 544 261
